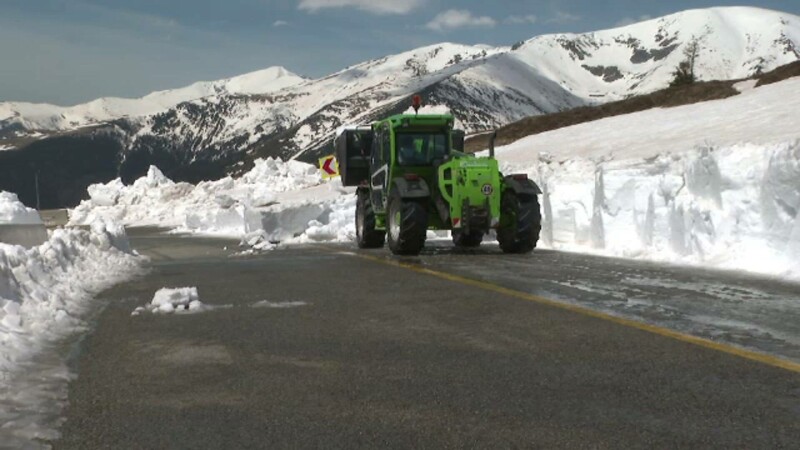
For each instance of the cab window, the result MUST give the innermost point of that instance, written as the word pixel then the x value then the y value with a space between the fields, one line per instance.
pixel 420 149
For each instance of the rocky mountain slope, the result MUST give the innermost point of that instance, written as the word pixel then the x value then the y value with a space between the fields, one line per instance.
pixel 208 135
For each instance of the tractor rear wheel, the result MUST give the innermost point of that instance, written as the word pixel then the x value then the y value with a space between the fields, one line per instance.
pixel 366 234
pixel 520 223
pixel 467 240
pixel 407 223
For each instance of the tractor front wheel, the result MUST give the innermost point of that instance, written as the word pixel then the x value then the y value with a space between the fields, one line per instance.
pixel 520 223
pixel 366 234
pixel 408 226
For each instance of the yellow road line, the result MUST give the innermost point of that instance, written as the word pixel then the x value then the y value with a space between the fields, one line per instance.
pixel 706 343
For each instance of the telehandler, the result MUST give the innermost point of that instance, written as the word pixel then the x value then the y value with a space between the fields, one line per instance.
pixel 412 176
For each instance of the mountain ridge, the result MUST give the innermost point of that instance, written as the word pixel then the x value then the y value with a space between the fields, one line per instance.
pixel 45 116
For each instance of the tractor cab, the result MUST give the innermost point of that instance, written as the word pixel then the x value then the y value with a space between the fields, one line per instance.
pixel 406 151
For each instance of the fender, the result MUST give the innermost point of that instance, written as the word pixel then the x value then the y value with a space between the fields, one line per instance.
pixel 410 189
pixel 522 187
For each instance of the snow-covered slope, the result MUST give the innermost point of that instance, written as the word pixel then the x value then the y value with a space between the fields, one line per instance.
pixel 305 116
pixel 44 117
pixel 733 43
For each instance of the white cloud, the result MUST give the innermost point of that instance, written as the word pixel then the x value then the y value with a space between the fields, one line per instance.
pixel 630 20
pixel 458 18
pixel 280 23
pixel 563 17
pixel 372 6
pixel 518 20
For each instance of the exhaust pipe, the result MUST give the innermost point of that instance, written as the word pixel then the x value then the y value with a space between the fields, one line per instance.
pixel 491 144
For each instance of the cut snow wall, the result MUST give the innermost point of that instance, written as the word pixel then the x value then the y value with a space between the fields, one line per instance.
pixel 736 207
pixel 282 224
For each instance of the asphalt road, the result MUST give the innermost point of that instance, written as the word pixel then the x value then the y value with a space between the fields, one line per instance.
pixel 381 356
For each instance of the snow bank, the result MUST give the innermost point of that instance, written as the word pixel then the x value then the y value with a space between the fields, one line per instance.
pixel 13 212
pixel 276 201
pixel 223 207
pixel 45 296
pixel 731 207
pixel 715 184
pixel 176 301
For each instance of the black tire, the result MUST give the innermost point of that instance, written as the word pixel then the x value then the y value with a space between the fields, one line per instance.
pixel 520 223
pixel 366 234
pixel 407 225
pixel 467 240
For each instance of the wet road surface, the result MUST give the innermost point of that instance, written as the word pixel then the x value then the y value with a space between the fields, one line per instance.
pixel 321 348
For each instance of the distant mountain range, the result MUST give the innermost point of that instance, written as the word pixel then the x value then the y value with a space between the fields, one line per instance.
pixel 212 128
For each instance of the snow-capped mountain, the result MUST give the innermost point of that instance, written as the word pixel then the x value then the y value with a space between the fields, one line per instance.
pixel 489 87
pixel 733 43
pixel 43 117
pixel 207 129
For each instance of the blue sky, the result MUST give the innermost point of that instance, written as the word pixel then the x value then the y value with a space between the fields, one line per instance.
pixel 71 51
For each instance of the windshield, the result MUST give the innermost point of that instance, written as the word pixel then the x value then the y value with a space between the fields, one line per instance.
pixel 420 149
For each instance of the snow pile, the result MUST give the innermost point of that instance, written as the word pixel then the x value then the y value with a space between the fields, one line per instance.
pixel 14 212
pixel 280 176
pixel 336 224
pixel 46 296
pixel 175 301
pixel 226 207
pixel 715 184
pixel 324 213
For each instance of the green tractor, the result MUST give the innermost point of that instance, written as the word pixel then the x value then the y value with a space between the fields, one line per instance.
pixel 413 177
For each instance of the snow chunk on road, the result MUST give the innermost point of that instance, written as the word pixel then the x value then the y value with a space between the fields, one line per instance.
pixel 176 300
pixel 13 212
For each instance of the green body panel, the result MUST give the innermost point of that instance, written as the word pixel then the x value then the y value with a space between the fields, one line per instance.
pixel 456 182
pixel 469 181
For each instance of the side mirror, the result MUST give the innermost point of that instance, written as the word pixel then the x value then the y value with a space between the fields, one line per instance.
pixel 491 143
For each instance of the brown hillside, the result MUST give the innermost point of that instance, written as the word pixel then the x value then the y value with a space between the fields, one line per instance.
pixel 780 74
